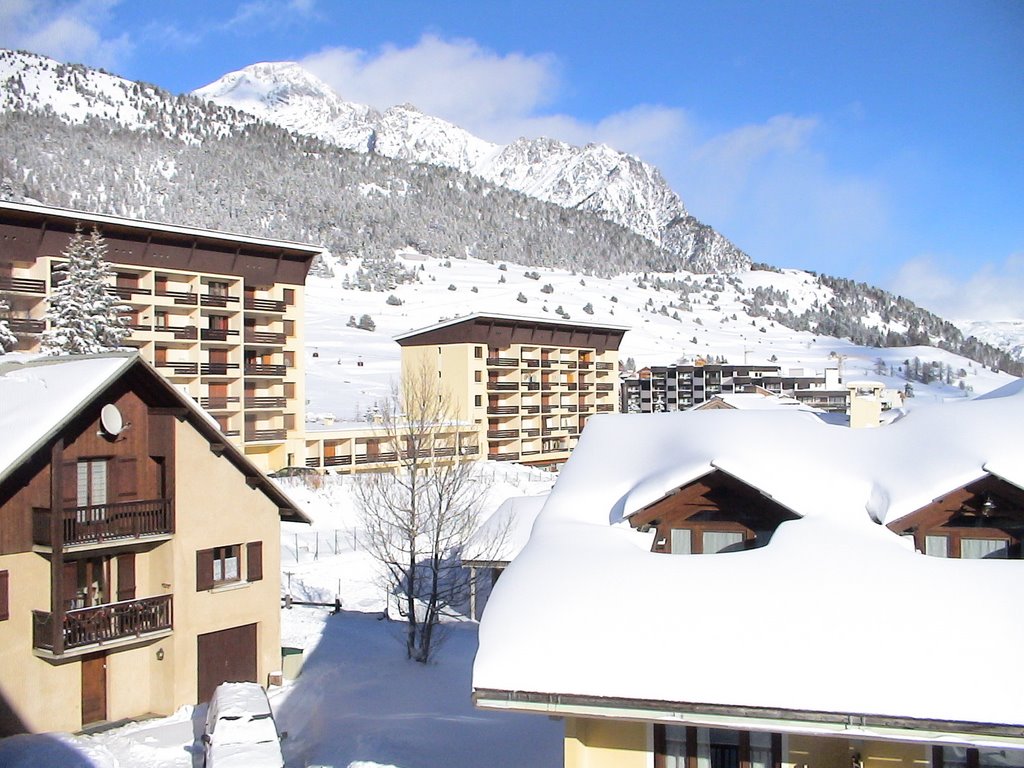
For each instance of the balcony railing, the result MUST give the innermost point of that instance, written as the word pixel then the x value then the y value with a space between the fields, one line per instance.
pixel 503 456
pixel 264 337
pixel 106 522
pixel 187 298
pixel 261 369
pixel 502 386
pixel 605 387
pixel 218 369
pixel 104 623
pixel 265 402
pixel 179 369
pixel 126 292
pixel 502 433
pixel 531 386
pixel 217 334
pixel 584 364
pixel 258 435
pixel 605 366
pixel 502 410
pixel 216 300
pixel 181 332
pixel 531 432
pixel 506 362
pixel 374 458
pixel 264 305
pixel 605 408
pixel 218 403
pixel 26 325
pixel 337 461
pixel 531 409
pixel 22 285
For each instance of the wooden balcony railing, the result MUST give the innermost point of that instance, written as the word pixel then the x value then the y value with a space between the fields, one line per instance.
pixel 373 458
pixel 337 461
pixel 181 332
pixel 605 366
pixel 502 433
pixel 107 522
pixel 258 435
pixel 264 337
pixel 605 387
pixel 502 410
pixel 26 325
pixel 216 300
pixel 179 369
pixel 503 362
pixel 187 298
pixel 499 456
pixel 126 292
pixel 218 369
pixel 22 285
pixel 218 403
pixel 502 386
pixel 265 402
pixel 261 369
pixel 217 334
pixel 605 408
pixel 531 363
pixel 104 623
pixel 264 305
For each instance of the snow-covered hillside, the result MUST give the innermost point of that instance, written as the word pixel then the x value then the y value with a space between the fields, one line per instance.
pixel 1005 334
pixel 347 369
pixel 596 178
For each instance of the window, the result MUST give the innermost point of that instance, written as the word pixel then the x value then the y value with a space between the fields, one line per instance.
pixel 478 352
pixel 722 541
pixel 289 296
pixel 92 490
pixel 715 747
pixel 477 400
pixel 478 376
pixel 223 565
pixel 218 288
pixel 5 611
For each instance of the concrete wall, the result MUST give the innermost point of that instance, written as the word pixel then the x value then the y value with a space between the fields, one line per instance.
pixel 592 743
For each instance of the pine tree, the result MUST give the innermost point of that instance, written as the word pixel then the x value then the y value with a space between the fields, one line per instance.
pixel 84 317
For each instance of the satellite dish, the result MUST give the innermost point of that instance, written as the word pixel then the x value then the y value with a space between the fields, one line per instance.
pixel 111 420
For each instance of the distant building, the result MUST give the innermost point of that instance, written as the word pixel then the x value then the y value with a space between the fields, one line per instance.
pixel 527 384
pixel 668 388
pixel 219 315
pixel 139 550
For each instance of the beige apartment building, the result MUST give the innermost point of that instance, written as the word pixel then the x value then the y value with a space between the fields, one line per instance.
pixel 219 315
pixel 528 385
pixel 139 550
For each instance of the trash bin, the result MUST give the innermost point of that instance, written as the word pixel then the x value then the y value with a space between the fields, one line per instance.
pixel 291 662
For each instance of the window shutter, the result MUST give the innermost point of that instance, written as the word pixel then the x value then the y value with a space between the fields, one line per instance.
pixel 126 576
pixel 204 570
pixel 254 560
pixel 5 611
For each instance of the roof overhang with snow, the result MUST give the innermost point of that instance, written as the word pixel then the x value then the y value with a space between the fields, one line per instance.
pixel 836 616
pixel 496 329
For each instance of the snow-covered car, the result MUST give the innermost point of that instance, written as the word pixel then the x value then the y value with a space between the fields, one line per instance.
pixel 240 729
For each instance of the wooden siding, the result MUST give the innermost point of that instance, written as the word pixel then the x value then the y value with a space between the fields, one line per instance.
pixel 226 656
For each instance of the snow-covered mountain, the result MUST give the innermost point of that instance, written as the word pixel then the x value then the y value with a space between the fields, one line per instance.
pixel 1005 334
pixel 596 178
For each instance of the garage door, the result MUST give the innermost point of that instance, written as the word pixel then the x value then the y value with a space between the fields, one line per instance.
pixel 226 656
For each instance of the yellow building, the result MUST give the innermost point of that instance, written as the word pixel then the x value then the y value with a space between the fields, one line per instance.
pixel 139 550
pixel 219 315
pixel 527 384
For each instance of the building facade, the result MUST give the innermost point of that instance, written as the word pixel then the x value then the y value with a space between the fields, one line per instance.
pixel 527 385
pixel 139 550
pixel 219 315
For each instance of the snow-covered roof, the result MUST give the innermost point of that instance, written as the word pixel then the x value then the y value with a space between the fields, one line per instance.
pixel 836 614
pixel 513 319
pixel 505 532
pixel 40 396
pixel 756 401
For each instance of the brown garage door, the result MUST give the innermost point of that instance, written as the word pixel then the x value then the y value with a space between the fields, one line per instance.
pixel 226 656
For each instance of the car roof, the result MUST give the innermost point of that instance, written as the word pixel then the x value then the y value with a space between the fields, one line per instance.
pixel 238 700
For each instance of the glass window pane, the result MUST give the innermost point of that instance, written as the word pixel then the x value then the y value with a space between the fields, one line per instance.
pixel 720 541
pixel 975 549
pixel 675 746
pixel 99 482
pixel 681 541
pixel 1000 758
pixel 936 546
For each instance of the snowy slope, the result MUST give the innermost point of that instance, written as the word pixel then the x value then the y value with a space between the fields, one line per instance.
pixel 595 178
pixel 1005 334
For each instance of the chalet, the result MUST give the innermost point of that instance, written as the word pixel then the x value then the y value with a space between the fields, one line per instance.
pixel 747 589
pixel 139 548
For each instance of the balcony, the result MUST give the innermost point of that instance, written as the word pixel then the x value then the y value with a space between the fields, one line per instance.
pixel 218 369
pixel 182 298
pixel 500 456
pixel 503 362
pixel 179 369
pixel 106 523
pixel 264 337
pixel 102 624
pixel 606 408
pixel 500 434
pixel 502 410
pixel 585 364
pixel 217 334
pixel 264 305
pixel 265 402
pixel 126 292
pixel 605 366
pixel 531 386
pixel 531 432
pixel 216 300
pixel 502 386
pixel 531 409
pixel 23 325
pixel 181 332
pixel 218 403
pixel 531 363
pixel 22 285
pixel 337 461
pixel 376 458
pixel 605 387
pixel 262 369
pixel 265 435
pixel 546 363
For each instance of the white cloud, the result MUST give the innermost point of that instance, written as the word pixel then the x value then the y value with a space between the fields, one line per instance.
pixel 269 11
pixel 993 292
pixel 67 31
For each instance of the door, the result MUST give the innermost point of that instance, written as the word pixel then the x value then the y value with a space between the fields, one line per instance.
pixel 94 688
pixel 226 656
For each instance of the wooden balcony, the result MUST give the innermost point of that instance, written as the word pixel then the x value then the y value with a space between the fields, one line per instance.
pixel 218 369
pixel 22 285
pixel 265 435
pixel 217 334
pixel 126 292
pixel 605 408
pixel 503 362
pixel 264 305
pixel 531 386
pixel 502 434
pixel 502 386
pixel 261 369
pixel 219 403
pixel 337 461
pixel 500 456
pixel 102 624
pixel 22 325
pixel 264 337
pixel 265 402
pixel 605 387
pixel 584 364
pixel 122 522
pixel 181 332
pixel 216 300
pixel 182 298
pixel 604 366
pixel 376 458
pixel 502 410
pixel 531 363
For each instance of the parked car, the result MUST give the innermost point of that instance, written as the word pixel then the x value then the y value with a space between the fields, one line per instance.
pixel 240 729
pixel 294 472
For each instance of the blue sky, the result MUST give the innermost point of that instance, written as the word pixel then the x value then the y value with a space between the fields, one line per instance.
pixel 882 141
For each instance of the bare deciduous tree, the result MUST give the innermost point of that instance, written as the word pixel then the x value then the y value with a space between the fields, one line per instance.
pixel 417 518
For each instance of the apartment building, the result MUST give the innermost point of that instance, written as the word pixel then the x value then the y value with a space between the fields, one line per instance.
pixel 138 549
pixel 219 315
pixel 528 385
pixel 668 388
